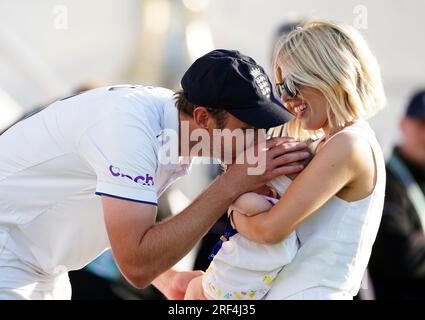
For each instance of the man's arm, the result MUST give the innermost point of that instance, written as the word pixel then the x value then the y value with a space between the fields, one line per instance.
pixel 144 250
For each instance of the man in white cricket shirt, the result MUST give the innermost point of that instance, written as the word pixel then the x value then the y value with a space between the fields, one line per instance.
pixel 85 174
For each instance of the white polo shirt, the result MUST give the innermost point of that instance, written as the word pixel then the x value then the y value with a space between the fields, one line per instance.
pixel 55 165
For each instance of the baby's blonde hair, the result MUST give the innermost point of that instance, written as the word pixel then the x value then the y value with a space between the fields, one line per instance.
pixel 336 60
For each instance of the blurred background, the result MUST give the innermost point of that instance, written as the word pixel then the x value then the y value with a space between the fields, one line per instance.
pixel 51 48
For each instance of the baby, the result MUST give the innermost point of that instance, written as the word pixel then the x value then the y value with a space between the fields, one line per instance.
pixel 243 269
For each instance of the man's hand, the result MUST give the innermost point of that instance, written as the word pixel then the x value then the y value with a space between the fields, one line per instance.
pixel 174 284
pixel 283 156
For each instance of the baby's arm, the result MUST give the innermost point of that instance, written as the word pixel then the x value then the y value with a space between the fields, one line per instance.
pixel 251 204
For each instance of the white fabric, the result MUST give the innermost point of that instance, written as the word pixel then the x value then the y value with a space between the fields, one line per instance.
pixel 336 241
pixel 106 141
pixel 243 269
pixel 25 283
pixel 320 293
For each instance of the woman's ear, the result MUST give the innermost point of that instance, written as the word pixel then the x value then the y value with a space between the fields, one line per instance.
pixel 278 74
pixel 201 117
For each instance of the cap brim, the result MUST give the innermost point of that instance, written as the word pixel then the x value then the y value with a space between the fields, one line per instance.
pixel 263 115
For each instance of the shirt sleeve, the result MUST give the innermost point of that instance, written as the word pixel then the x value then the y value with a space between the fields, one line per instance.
pixel 123 151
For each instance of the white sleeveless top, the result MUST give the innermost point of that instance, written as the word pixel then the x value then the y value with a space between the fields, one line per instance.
pixel 336 241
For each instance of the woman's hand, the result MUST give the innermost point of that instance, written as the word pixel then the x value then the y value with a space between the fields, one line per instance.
pixel 251 227
pixel 250 204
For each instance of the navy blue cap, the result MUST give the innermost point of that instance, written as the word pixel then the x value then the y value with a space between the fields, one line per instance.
pixel 229 80
pixel 416 107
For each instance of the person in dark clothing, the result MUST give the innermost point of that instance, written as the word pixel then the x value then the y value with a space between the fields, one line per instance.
pixel 397 264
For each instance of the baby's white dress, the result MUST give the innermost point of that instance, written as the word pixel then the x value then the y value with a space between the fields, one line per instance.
pixel 245 270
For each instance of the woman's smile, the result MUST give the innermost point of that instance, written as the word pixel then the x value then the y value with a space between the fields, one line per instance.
pixel 301 110
pixel 298 108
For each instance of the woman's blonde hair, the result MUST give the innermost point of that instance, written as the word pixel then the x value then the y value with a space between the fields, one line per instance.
pixel 336 60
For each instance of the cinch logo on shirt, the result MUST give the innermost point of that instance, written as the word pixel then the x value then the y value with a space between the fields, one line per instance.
pixel 146 179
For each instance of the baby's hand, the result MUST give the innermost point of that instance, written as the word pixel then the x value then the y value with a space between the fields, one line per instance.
pixel 251 204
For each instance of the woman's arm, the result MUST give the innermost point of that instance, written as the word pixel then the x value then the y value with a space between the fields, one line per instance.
pixel 333 168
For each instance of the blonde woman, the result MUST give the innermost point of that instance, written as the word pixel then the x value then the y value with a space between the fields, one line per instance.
pixel 328 78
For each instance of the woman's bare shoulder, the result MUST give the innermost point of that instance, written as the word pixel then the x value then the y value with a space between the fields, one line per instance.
pixel 349 147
